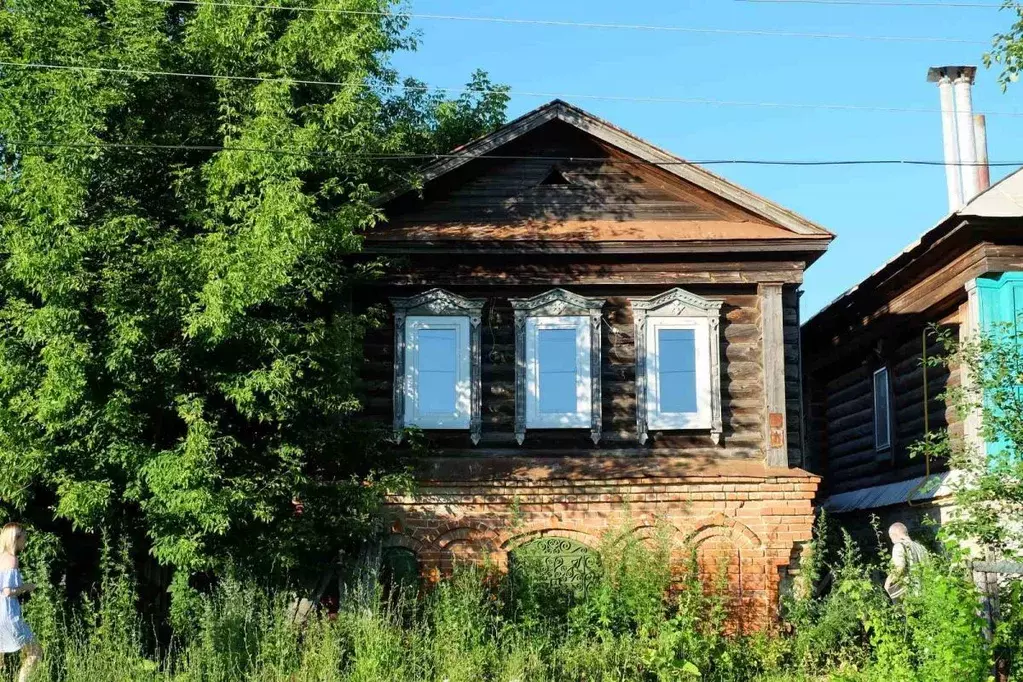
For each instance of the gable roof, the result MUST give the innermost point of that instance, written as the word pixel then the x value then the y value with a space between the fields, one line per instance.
pixel 1004 199
pixel 764 220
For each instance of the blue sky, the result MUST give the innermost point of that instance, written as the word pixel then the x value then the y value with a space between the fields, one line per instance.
pixel 874 210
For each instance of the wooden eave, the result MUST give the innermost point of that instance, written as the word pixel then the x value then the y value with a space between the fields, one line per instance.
pixel 919 284
pixel 809 249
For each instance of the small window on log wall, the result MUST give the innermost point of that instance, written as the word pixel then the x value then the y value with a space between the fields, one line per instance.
pixel 882 411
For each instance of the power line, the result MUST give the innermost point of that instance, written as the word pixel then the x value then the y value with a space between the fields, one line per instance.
pixel 500 157
pixel 577 24
pixel 881 3
pixel 513 93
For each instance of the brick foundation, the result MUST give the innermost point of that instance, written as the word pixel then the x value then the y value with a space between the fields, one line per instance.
pixel 739 512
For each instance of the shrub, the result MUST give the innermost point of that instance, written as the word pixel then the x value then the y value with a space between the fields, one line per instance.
pixel 639 617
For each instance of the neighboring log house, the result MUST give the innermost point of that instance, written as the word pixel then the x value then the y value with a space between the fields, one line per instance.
pixel 868 394
pixel 593 334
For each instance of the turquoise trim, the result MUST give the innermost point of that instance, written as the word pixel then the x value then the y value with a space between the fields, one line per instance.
pixel 1000 301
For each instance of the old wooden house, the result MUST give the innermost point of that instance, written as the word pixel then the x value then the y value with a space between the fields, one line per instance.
pixel 593 334
pixel 868 393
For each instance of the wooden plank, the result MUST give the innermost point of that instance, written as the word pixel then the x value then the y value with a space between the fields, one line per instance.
pixel 772 323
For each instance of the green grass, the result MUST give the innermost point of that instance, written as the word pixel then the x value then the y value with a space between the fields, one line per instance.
pixel 639 619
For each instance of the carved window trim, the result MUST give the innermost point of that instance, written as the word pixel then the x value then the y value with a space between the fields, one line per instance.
pixel 678 304
pixel 557 303
pixel 438 303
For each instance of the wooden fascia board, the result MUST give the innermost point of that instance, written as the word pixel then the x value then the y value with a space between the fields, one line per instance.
pixel 926 301
pixel 811 249
pixel 878 283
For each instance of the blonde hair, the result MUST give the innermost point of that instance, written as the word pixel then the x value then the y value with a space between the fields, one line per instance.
pixel 10 538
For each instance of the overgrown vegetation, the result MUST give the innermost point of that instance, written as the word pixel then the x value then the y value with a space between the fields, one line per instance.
pixel 183 189
pixel 988 485
pixel 640 618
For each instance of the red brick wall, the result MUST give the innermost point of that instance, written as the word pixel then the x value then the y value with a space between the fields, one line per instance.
pixel 739 512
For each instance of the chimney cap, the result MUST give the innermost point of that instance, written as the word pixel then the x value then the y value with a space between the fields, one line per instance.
pixel 935 73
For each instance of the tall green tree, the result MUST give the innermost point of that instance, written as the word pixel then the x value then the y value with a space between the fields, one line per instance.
pixel 177 352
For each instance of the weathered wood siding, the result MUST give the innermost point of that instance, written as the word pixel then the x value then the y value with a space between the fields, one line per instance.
pixel 842 404
pixel 599 184
pixel 741 380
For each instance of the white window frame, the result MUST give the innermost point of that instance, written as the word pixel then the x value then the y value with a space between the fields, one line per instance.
pixel 580 418
pixel 878 445
pixel 702 417
pixel 438 307
pixel 678 308
pixel 553 305
pixel 414 416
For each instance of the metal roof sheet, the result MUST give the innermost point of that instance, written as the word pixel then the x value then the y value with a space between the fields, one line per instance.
pixel 919 489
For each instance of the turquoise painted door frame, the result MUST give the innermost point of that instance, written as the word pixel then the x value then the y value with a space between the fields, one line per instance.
pixel 1001 299
pixel 1000 302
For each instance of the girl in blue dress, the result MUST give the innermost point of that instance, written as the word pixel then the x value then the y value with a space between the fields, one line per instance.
pixel 14 632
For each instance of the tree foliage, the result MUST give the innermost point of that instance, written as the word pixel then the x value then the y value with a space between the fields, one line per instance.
pixel 988 485
pixel 178 352
pixel 1007 48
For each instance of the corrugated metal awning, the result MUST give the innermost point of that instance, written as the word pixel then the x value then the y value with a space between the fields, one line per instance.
pixel 919 489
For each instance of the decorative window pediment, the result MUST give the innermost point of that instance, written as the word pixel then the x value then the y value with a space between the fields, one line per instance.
pixel 437 362
pixel 678 364
pixel 557 362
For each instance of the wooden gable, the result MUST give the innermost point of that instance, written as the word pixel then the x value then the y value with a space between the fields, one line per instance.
pixel 560 175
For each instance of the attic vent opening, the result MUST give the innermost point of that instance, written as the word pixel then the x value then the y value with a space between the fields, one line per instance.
pixel 555 177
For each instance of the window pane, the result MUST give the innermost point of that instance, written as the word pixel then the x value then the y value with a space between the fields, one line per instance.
pixel 676 370
pixel 557 350
pixel 676 349
pixel 881 417
pixel 438 360
pixel 437 349
pixel 556 356
pixel 557 393
pixel 436 392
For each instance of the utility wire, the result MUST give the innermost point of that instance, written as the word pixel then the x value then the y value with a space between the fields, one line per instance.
pixel 576 24
pixel 515 93
pixel 500 157
pixel 882 3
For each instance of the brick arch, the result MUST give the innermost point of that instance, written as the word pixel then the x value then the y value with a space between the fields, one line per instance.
pixel 582 537
pixel 465 531
pixel 720 525
pixel 648 530
pixel 404 541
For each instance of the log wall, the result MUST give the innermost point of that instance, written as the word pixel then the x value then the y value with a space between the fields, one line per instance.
pixel 842 407
pixel 741 378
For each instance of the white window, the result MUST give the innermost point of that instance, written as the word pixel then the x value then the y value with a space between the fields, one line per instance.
pixel 678 373
pixel 437 372
pixel 678 364
pixel 557 363
pixel 558 373
pixel 882 410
